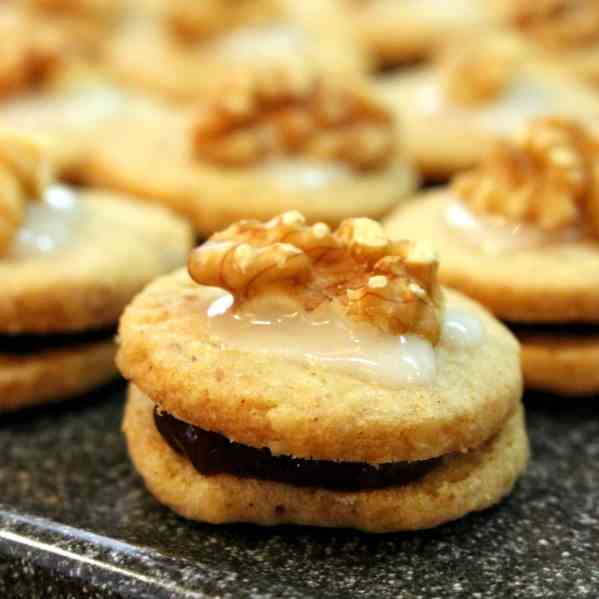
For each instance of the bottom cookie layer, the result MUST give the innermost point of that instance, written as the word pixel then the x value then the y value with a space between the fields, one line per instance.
pixel 566 364
pixel 35 378
pixel 460 484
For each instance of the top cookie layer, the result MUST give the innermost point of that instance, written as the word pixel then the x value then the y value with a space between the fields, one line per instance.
pixel 116 248
pixel 556 282
pixel 267 400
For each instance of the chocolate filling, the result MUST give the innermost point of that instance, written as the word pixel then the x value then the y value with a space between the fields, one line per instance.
pixel 35 344
pixel 557 330
pixel 211 453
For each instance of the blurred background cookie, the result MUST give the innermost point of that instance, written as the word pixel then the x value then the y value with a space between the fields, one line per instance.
pixel 73 262
pixel 190 47
pixel 479 91
pixel 563 32
pixel 520 234
pixel 397 32
pixel 267 141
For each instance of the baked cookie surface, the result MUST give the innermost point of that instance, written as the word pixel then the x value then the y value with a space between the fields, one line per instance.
pixel 565 33
pixel 548 283
pixel 396 32
pixel 70 262
pixel 201 42
pixel 520 234
pixel 54 374
pixel 266 400
pixel 478 93
pixel 461 483
pixel 324 147
pixel 81 256
pixel 225 360
pixel 565 363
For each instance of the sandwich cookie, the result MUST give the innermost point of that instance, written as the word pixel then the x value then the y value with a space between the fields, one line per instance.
pixel 520 235
pixel 70 260
pixel 298 375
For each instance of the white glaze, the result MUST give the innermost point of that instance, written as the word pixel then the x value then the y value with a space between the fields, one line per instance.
pixel 74 110
pixel 292 173
pixel 250 44
pixel 50 224
pixel 461 329
pixel 495 235
pixel 324 336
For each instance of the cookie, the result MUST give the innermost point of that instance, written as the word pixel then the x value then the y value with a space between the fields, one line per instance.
pixel 399 32
pixel 477 93
pixel 79 258
pixel 565 33
pixel 561 362
pixel 519 234
pixel 326 364
pixel 270 141
pixel 52 374
pixel 83 25
pixel 549 283
pixel 201 41
pixel 461 483
pixel 74 261
pixel 521 271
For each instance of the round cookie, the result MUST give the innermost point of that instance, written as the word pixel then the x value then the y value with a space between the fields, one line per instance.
pixel 103 249
pixel 27 380
pixel 564 364
pixel 444 134
pixel 565 33
pixel 217 176
pixel 66 117
pixel 265 400
pixel 396 32
pixel 200 49
pixel 463 482
pixel 551 283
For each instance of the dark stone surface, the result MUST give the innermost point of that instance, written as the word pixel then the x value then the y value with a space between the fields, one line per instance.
pixel 75 521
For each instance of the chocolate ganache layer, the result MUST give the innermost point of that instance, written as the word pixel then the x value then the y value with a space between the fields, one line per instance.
pixel 555 330
pixel 35 344
pixel 211 453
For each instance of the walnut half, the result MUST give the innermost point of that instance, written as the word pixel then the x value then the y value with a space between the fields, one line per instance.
pixel 547 177
pixel 390 284
pixel 290 111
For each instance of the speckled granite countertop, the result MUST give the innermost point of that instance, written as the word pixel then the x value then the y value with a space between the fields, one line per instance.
pixel 75 521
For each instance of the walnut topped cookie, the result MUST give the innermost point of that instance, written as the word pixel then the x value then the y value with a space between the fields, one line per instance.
pixel 478 92
pixel 70 260
pixel 399 32
pixel 296 374
pixel 49 88
pixel 269 141
pixel 201 41
pixel 519 234
pixel 565 32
